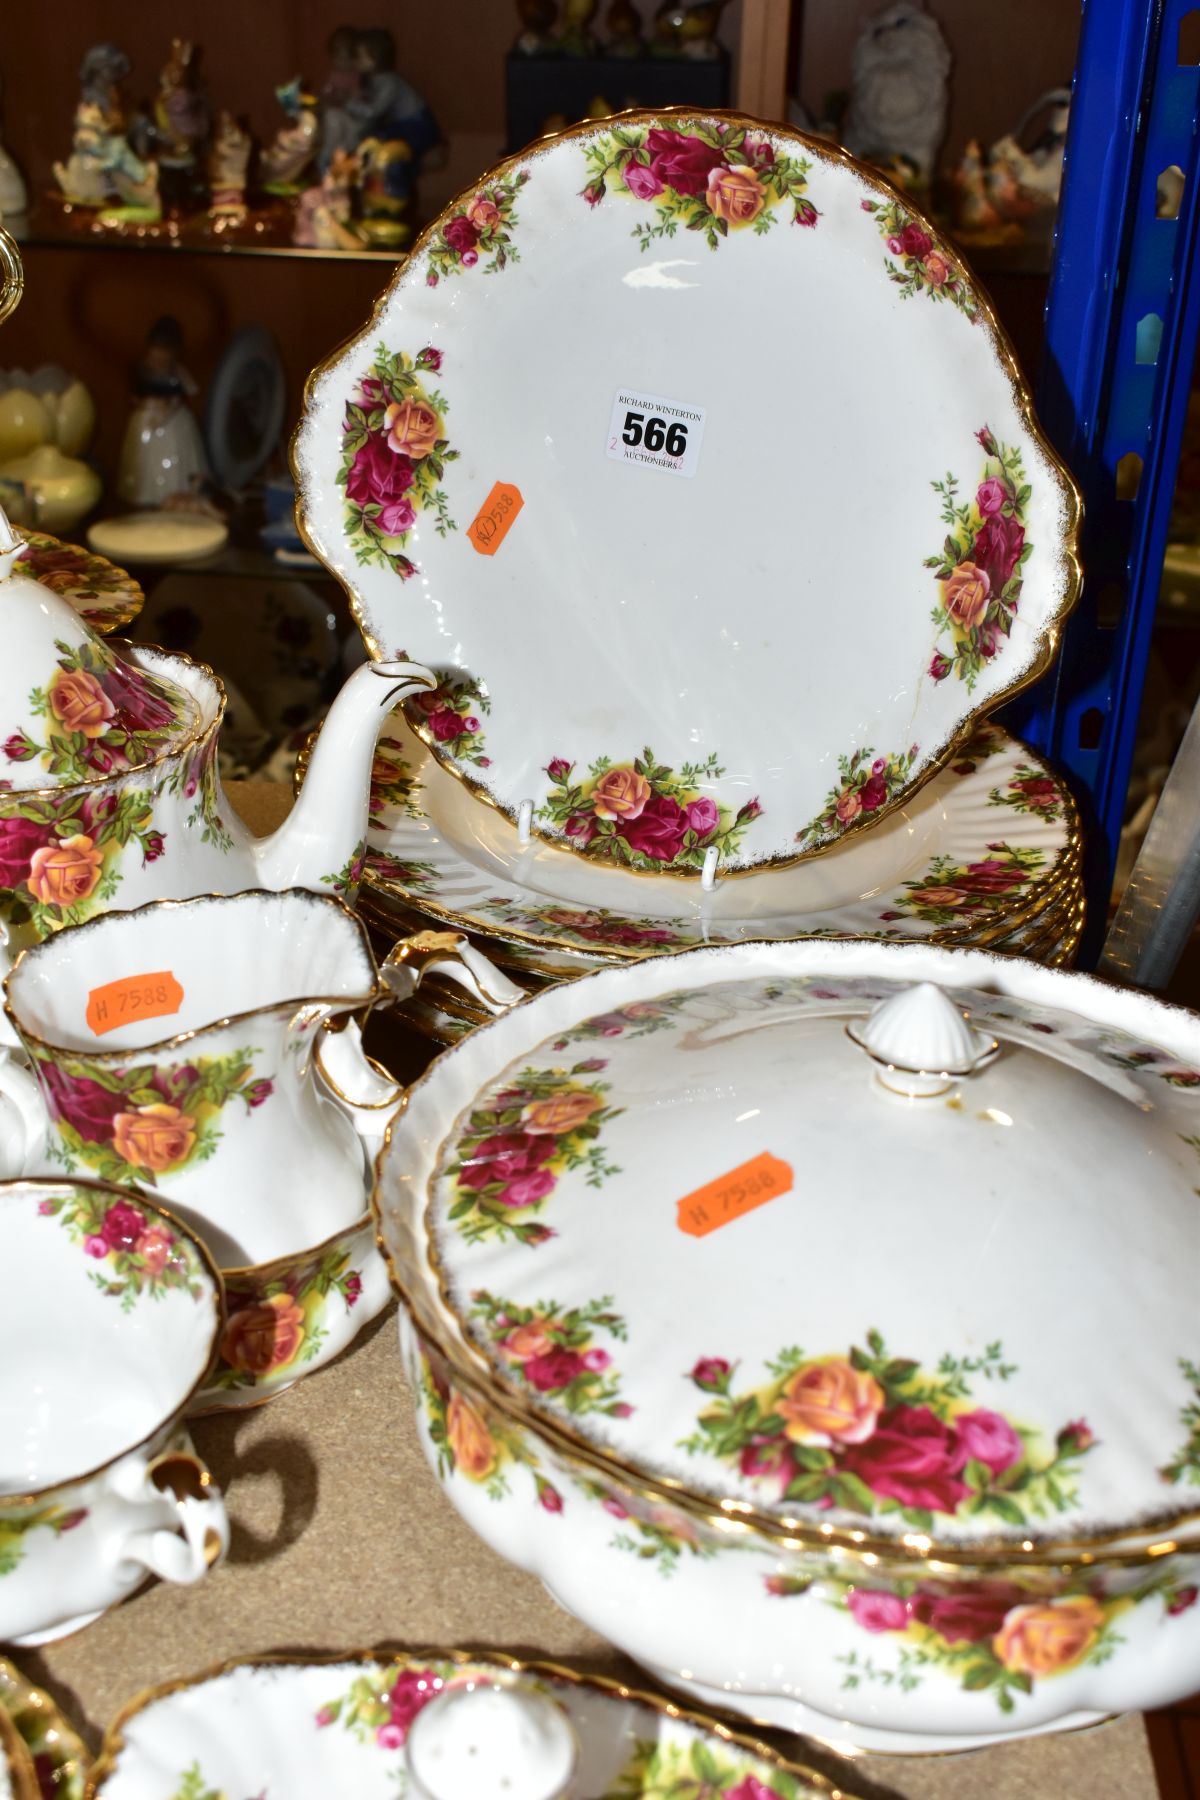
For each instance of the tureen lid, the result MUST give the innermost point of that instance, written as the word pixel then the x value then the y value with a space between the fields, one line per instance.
pixel 73 711
pixel 798 1234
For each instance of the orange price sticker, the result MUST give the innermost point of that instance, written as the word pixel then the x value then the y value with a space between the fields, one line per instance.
pixel 495 518
pixel 731 1196
pixel 134 997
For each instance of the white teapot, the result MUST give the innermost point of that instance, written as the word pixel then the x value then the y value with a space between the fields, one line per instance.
pixel 109 789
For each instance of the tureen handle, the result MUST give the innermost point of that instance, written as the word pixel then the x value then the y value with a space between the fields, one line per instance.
pixel 920 1042
pixel 447 953
pixel 490 1740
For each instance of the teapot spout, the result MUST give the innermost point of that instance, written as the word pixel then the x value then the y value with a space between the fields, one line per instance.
pixel 321 840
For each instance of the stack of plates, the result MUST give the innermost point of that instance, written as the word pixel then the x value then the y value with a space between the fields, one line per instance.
pixel 987 853
pixel 699 471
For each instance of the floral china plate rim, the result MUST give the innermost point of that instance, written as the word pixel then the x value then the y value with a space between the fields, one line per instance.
pixel 427 853
pixel 642 171
pixel 682 1723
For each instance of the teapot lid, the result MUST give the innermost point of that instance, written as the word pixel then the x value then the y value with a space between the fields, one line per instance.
pixel 841 1251
pixel 71 710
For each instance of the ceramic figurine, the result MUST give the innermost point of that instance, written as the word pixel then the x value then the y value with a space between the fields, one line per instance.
pixel 898 93
pixel 228 163
pixel 323 213
pixel 623 29
pixel 162 454
pixel 340 129
pixel 973 209
pixel 688 27
pixel 14 195
pixel 537 18
pixel 101 73
pixel 576 36
pixel 387 108
pixel 1023 181
pixel 384 177
pixel 181 123
pixel 285 161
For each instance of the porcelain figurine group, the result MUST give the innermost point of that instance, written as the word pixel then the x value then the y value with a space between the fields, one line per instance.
pixel 345 159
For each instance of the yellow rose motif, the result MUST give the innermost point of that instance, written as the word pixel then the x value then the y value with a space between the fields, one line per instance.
pixel 475 1449
pixel 154 1137
pixel 830 1399
pixel 620 793
pixel 562 1113
pixel 78 701
pixel 1048 1637
pixel 966 595
pixel 735 195
pixel 412 427
pixel 526 1341
pixel 66 873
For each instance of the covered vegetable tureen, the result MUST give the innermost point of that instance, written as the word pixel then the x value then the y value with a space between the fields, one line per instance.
pixel 847 1287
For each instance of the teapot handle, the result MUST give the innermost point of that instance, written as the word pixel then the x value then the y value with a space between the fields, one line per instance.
pixel 447 953
pixel 12 276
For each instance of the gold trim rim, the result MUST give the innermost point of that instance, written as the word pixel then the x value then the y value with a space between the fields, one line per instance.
pixel 344 1002
pixel 822 150
pixel 113 1743
pixel 1066 1555
pixel 20 1697
pixel 119 619
pixel 377 891
pixel 137 1197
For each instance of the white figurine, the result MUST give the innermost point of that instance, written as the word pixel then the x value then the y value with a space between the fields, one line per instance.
pixel 897 104
pixel 1034 175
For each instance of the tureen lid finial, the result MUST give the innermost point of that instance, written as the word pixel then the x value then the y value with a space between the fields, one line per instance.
pixel 921 1042
pixel 491 1741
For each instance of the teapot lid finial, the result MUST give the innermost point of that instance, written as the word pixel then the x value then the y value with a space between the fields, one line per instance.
pixel 11 546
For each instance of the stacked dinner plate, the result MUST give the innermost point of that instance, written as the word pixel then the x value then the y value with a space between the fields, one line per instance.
pixel 988 853
pixel 699 472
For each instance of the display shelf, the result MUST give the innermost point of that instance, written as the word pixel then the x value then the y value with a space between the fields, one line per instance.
pixel 147 239
pixel 1122 319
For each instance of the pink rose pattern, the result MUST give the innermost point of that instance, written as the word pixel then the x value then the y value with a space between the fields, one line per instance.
pixel 916 261
pixel 517 1143
pixel 965 893
pixel 992 1636
pixel 478 233
pixel 591 926
pixel 134 1251
pixel 644 814
pixel 1031 790
pixel 550 1350
pixel 450 717
pixel 103 717
pixel 394 457
pixel 870 1434
pixel 980 566
pixel 867 784
pixel 708 177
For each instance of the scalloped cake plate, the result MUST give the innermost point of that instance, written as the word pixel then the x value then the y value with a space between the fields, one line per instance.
pixel 699 467
pixel 985 848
